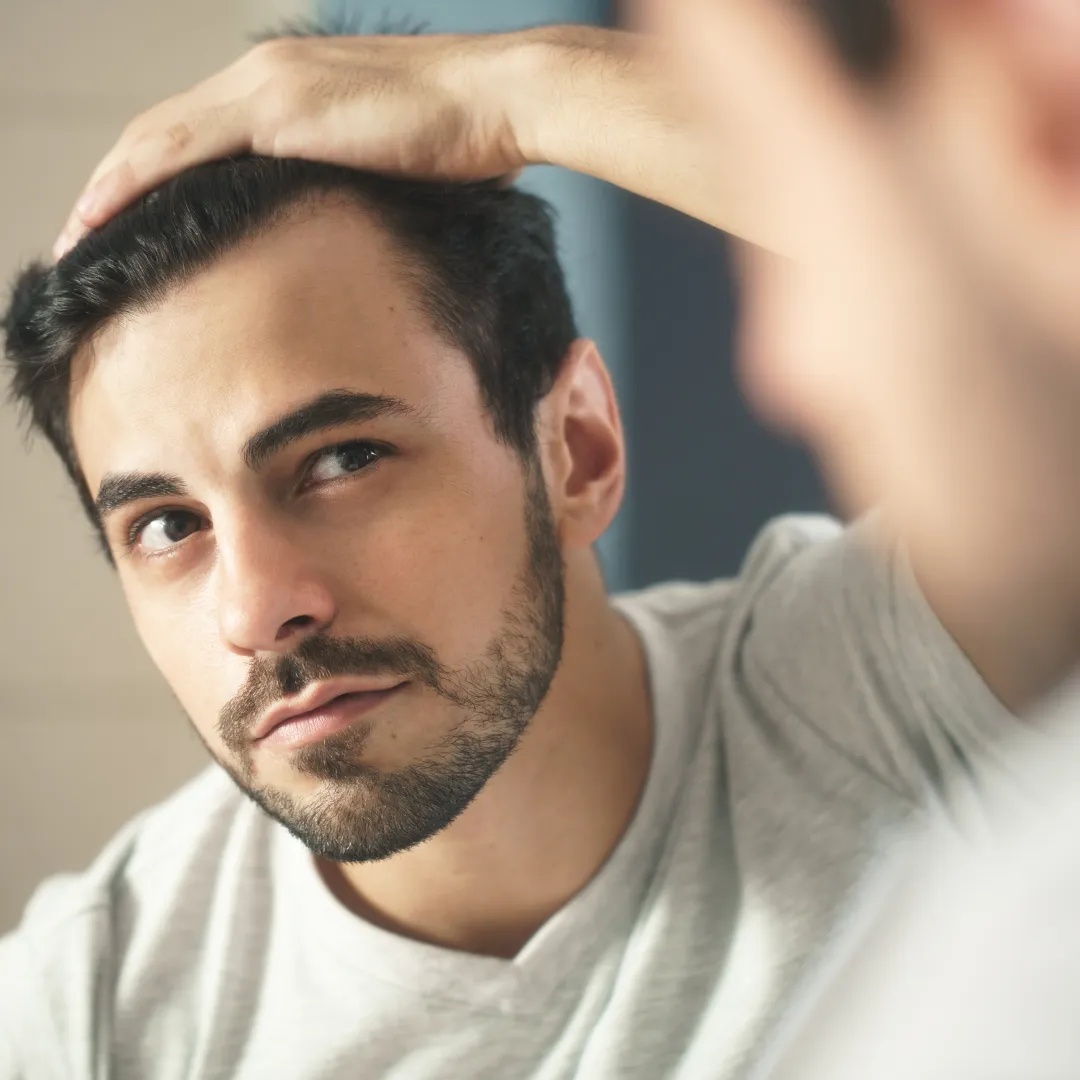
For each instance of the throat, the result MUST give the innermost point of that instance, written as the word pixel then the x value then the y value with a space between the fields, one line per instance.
pixel 538 832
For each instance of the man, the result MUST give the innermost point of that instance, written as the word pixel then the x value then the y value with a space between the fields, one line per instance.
pixel 350 461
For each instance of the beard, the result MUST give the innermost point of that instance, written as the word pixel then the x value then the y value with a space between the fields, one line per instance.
pixel 361 813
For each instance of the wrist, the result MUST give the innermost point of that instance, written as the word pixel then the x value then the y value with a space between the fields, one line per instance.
pixel 546 79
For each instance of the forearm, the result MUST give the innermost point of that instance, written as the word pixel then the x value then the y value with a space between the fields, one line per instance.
pixel 469 107
pixel 976 477
pixel 603 103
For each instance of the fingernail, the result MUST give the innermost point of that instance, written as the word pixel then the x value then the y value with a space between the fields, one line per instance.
pixel 71 235
pixel 88 202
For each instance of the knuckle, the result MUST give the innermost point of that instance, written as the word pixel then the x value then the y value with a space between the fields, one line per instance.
pixel 266 128
pixel 282 99
pixel 134 129
pixel 273 55
pixel 176 137
pixel 274 103
pixel 270 112
pixel 277 78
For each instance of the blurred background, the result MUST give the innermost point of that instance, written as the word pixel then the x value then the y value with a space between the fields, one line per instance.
pixel 89 734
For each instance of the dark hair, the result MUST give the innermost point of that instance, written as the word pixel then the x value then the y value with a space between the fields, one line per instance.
pixel 481 256
pixel 864 31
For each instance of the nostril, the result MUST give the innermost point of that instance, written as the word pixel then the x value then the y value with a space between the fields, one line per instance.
pixel 298 622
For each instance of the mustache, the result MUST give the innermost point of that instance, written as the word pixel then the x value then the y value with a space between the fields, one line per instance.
pixel 323 657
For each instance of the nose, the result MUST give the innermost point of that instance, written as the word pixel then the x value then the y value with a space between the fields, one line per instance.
pixel 270 592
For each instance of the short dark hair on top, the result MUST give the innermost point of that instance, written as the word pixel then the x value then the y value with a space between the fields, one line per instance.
pixel 482 258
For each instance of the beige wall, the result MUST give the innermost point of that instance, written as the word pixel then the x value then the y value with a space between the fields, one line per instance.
pixel 88 731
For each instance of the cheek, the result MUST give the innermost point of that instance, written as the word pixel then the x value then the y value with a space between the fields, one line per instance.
pixel 435 561
pixel 441 567
pixel 185 646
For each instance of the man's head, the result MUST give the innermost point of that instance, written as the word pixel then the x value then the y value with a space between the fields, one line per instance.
pixel 337 435
pixel 979 103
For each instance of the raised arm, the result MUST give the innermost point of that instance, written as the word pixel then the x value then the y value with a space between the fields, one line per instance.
pixel 441 106
pixel 924 371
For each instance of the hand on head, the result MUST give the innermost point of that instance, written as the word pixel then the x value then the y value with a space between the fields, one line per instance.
pixel 425 106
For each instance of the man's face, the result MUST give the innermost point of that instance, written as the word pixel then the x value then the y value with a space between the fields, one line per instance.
pixel 306 499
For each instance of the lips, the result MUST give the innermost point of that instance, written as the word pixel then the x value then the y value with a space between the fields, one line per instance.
pixel 324 698
pixel 338 714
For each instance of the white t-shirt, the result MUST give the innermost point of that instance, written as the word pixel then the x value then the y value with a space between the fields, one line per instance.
pixel 963 960
pixel 802 712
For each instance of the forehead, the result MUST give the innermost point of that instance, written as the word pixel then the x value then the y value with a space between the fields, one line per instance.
pixel 318 302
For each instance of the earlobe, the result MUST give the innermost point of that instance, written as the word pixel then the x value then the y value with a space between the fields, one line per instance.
pixel 584 451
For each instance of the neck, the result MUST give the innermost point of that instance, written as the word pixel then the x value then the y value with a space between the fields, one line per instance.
pixel 545 823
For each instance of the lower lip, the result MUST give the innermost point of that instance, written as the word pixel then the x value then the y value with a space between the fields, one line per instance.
pixel 334 716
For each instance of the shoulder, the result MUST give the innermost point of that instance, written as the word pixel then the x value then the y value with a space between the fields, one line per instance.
pixel 150 855
pixel 783 540
pixel 693 630
pixel 80 933
pixel 689 610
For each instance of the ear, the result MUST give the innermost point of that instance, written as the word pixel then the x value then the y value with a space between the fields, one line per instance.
pixel 581 447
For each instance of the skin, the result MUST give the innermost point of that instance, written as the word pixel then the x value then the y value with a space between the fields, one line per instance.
pixel 919 333
pixel 909 305
pixel 428 544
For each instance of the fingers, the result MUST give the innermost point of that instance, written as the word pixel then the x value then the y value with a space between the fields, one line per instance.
pixel 142 161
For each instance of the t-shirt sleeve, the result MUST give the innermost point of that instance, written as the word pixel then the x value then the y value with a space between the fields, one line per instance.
pixel 10 1069
pixel 835 640
pixel 15 985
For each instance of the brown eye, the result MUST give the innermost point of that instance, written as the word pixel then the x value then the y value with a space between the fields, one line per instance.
pixel 338 461
pixel 166 529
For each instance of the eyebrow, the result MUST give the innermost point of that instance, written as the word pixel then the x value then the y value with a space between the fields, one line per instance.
pixel 329 410
pixel 332 409
pixel 119 489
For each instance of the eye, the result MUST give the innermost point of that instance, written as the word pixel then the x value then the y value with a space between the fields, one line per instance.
pixel 337 461
pixel 163 530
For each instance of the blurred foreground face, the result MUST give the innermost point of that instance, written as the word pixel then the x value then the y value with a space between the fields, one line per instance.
pixel 923 228
pixel 910 309
pixel 307 501
pixel 984 104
